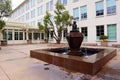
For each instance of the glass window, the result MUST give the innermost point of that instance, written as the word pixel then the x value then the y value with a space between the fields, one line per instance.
pixel 40 10
pixel 99 8
pixel 75 0
pixel 111 6
pixel 20 35
pixel 47 6
pixel 83 10
pixel 30 36
pixel 16 35
pixel 51 5
pixel 33 3
pixel 39 1
pixel 27 16
pixel 111 32
pixel 99 31
pixel 42 35
pixel 62 2
pixel 64 33
pixel 65 2
pixel 33 13
pixel 84 31
pixel 76 13
pixel 9 36
pixel 36 36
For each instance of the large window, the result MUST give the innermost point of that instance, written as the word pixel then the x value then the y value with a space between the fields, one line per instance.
pixel 99 8
pixel 85 32
pixel 62 2
pixel 9 36
pixel 111 7
pixel 27 16
pixel 49 5
pixel 39 1
pixel 33 3
pixel 76 13
pixel 111 32
pixel 75 0
pixel 99 31
pixel 40 10
pixel 36 36
pixel 33 13
pixel 20 35
pixel 16 35
pixel 83 10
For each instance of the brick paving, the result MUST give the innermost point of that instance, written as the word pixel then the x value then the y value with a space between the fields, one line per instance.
pixel 16 64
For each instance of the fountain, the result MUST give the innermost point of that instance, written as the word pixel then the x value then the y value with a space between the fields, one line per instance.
pixel 72 57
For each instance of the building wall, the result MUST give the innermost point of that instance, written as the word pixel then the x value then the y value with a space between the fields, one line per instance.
pixel 91 22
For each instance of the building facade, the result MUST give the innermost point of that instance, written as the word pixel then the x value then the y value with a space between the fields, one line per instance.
pixel 94 17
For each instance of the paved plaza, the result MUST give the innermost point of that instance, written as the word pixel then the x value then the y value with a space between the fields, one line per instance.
pixel 16 64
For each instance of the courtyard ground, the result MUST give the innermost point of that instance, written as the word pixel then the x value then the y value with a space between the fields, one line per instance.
pixel 16 64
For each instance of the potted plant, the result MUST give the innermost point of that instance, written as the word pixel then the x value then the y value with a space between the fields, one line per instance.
pixel 103 40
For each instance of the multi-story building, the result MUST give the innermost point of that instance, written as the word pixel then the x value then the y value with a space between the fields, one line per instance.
pixel 94 18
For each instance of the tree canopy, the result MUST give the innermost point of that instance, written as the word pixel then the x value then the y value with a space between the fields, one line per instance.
pixel 59 21
pixel 5 8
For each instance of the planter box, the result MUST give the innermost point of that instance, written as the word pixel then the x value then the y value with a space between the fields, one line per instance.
pixel 29 41
pixel 105 44
pixel 3 43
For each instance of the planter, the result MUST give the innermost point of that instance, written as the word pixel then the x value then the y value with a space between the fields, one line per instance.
pixel 29 41
pixel 105 44
pixel 3 43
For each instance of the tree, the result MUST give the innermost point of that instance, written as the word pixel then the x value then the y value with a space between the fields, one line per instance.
pixel 59 22
pixel 44 27
pixel 5 8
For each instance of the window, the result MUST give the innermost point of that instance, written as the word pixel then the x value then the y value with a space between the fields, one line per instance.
pixel 42 35
pixel 51 35
pixel 39 1
pixel 99 31
pixel 51 5
pixel 33 3
pixel 27 16
pixel 27 6
pixel 40 10
pixel 30 36
pixel 47 6
pixel 33 13
pixel 83 10
pixel 62 2
pixel 64 33
pixel 99 8
pixel 9 36
pixel 84 31
pixel 36 36
pixel 111 7
pixel 111 32
pixel 16 35
pixel 75 0
pixel 20 35
pixel 76 13
pixel 33 23
pixel 65 2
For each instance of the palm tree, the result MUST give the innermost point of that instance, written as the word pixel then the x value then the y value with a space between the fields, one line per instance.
pixel 61 20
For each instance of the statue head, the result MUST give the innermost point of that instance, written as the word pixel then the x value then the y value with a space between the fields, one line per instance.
pixel 74 26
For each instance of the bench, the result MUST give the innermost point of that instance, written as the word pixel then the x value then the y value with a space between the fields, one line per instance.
pixel 89 44
pixel 115 45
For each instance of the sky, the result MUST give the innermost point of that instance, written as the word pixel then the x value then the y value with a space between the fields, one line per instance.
pixel 15 3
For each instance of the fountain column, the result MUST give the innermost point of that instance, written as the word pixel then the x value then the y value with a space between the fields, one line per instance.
pixel 74 39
